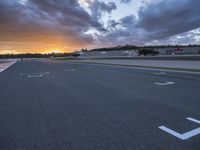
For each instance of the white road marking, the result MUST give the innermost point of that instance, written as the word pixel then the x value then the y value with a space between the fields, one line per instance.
pixel 194 120
pixel 35 76
pixel 69 70
pixel 185 135
pixel 30 74
pixel 165 83
pixel 159 73
pixel 43 73
pixel 2 69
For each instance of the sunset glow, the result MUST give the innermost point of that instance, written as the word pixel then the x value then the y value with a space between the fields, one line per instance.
pixel 55 51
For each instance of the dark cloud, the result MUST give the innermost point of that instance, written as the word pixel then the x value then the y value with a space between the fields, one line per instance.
pixel 157 21
pixel 67 21
pixel 169 17
pixel 190 37
pixel 45 21
pixel 98 8
pixel 128 20
pixel 125 1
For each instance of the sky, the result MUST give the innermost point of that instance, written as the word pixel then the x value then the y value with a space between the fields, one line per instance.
pixel 44 26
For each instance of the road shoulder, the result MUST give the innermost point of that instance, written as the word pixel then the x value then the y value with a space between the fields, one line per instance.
pixel 175 66
pixel 6 65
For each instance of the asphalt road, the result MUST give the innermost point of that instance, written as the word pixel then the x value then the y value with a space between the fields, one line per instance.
pixel 46 105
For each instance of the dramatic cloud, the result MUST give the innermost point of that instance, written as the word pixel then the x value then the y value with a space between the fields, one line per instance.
pixel 157 21
pixel 98 8
pixel 125 1
pixel 42 25
pixel 62 22
pixel 170 17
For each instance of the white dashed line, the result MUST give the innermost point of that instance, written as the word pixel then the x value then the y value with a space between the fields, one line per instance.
pixel 165 83
pixel 194 120
pixel 69 70
pixel 159 73
pixel 43 73
pixel 35 76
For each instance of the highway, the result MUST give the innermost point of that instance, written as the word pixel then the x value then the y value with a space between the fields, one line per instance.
pixel 56 105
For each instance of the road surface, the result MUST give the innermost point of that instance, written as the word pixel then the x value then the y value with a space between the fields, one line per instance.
pixel 52 105
pixel 176 64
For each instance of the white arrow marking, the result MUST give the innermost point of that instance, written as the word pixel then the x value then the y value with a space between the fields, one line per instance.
pixel 35 76
pixel 186 135
pixel 70 70
pixel 159 73
pixel 42 73
pixel 165 83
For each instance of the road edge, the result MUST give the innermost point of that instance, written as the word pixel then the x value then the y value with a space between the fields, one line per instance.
pixel 8 66
pixel 181 70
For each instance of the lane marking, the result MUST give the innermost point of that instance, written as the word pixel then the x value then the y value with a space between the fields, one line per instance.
pixel 43 73
pixel 69 70
pixel 186 135
pixel 159 73
pixel 27 74
pixel 165 83
pixel 35 76
pixel 194 120
pixel 3 69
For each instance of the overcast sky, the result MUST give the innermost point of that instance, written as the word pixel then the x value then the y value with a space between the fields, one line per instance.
pixel 67 25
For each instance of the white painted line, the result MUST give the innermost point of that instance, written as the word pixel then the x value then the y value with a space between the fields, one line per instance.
pixel 185 135
pixel 26 74
pixel 43 73
pixel 10 65
pixel 194 120
pixel 3 69
pixel 35 76
pixel 165 83
pixel 69 70
pixel 170 132
pixel 159 73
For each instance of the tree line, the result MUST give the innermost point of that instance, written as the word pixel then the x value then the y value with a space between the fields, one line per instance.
pixel 36 55
pixel 134 47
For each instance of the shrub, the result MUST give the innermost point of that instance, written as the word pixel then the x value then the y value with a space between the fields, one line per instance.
pixel 75 54
pixel 146 52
